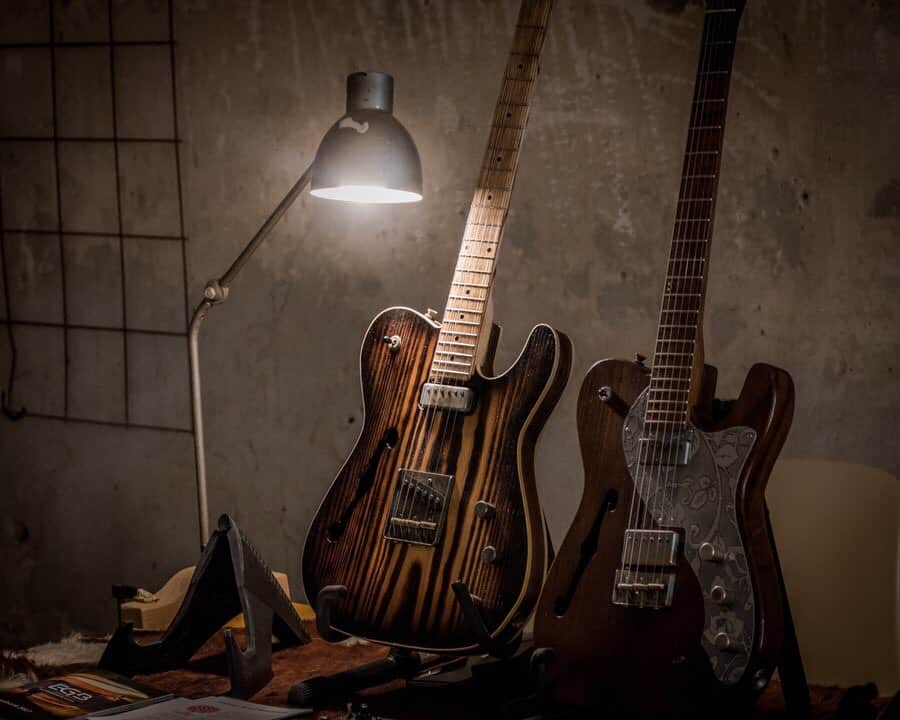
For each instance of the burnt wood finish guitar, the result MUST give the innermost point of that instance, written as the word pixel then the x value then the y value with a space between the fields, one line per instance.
pixel 433 524
pixel 664 599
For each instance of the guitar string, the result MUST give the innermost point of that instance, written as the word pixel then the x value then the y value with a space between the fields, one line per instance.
pixel 540 10
pixel 726 75
pixel 645 449
pixel 437 372
pixel 479 212
pixel 718 28
pixel 687 264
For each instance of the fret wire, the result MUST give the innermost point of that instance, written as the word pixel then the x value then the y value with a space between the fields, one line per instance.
pixel 470 284
pixel 458 332
pixel 450 362
pixel 460 344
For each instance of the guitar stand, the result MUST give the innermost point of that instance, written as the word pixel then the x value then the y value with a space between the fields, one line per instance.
pixel 794 688
pixel 400 663
pixel 231 578
pixel 489 645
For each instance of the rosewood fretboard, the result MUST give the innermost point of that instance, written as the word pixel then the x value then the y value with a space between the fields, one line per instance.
pixel 467 304
pixel 678 353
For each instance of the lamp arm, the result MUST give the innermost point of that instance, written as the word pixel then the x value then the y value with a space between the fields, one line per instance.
pixel 215 293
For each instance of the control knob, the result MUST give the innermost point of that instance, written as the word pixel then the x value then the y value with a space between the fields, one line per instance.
pixel 489 555
pixel 485 510
pixel 710 553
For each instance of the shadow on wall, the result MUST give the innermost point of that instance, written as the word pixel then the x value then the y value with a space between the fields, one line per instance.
pixel 838 531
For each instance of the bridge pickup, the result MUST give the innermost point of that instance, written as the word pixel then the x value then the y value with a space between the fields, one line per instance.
pixel 447 397
pixel 672 451
pixel 419 507
pixel 653 590
pixel 650 548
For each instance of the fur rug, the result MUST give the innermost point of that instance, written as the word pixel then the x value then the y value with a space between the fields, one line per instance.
pixel 73 651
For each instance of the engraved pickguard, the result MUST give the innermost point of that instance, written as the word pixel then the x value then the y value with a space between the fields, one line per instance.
pixel 700 497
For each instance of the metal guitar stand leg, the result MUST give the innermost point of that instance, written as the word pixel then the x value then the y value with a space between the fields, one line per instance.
pixel 230 578
pixel 793 677
pixel 489 645
pixel 327 598
pixel 400 664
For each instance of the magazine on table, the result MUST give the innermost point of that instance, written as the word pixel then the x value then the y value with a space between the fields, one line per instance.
pixel 220 708
pixel 76 695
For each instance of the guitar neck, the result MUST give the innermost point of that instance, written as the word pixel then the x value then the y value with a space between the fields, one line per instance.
pixel 678 359
pixel 467 304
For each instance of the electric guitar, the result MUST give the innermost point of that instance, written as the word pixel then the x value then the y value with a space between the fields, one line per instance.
pixel 664 599
pixel 432 533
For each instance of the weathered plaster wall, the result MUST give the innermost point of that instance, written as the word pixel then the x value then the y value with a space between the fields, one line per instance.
pixel 805 268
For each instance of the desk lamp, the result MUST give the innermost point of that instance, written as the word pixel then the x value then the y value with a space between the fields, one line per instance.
pixel 366 157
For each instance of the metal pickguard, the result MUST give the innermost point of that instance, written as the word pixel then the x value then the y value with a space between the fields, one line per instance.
pixel 700 498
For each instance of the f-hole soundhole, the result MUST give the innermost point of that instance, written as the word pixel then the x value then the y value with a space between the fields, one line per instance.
pixel 389 440
pixel 588 551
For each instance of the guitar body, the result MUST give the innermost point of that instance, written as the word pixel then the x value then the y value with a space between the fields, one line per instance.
pixel 664 662
pixel 399 577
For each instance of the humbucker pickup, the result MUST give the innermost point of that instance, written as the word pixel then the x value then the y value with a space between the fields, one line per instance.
pixel 447 397
pixel 419 507
pixel 675 450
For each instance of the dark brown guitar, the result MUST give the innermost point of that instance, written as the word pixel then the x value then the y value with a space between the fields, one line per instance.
pixel 433 524
pixel 664 599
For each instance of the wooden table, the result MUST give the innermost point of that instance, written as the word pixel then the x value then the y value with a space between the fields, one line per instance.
pixel 206 675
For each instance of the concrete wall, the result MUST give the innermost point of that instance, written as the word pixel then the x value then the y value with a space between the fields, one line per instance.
pixel 805 267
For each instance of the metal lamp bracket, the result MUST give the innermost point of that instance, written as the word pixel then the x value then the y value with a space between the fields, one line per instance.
pixel 215 292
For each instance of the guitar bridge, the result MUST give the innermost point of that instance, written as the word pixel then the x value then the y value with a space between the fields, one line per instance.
pixel 644 590
pixel 419 507
pixel 647 576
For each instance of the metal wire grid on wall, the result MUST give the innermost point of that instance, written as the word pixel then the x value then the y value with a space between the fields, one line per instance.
pixel 92 239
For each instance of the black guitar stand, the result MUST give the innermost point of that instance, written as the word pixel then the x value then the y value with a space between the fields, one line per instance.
pixel 230 578
pixel 794 688
pixel 489 645
pixel 400 663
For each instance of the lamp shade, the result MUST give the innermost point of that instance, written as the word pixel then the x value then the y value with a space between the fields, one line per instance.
pixel 367 155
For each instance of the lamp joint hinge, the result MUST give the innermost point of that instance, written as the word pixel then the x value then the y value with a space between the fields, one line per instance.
pixel 215 292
